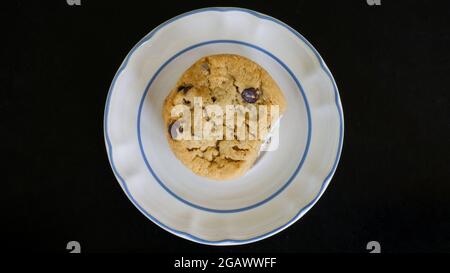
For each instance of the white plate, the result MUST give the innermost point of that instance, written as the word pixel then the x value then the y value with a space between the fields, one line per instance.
pixel 281 187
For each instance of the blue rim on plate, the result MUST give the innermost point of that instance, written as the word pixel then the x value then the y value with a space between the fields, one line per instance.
pixel 225 241
pixel 265 200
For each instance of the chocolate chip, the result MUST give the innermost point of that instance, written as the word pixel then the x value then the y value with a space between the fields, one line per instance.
pixel 213 99
pixel 250 95
pixel 205 66
pixel 169 129
pixel 184 88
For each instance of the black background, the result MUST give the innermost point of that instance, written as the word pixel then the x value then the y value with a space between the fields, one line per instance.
pixel 391 64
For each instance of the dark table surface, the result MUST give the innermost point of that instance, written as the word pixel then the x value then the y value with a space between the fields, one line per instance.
pixel 391 64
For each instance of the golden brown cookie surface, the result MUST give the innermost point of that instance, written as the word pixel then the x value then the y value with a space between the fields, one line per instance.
pixel 224 80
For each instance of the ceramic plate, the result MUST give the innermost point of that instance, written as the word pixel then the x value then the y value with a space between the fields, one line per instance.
pixel 282 186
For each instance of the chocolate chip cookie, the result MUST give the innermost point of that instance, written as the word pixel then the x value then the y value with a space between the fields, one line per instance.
pixel 208 95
